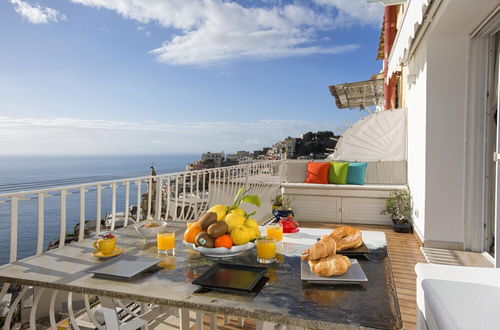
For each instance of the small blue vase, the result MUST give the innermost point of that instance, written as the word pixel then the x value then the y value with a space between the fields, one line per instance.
pixel 282 213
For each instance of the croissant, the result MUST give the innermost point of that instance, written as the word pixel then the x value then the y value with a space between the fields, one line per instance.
pixel 333 265
pixel 323 248
pixel 347 237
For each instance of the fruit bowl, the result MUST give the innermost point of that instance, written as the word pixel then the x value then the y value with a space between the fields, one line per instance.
pixel 221 252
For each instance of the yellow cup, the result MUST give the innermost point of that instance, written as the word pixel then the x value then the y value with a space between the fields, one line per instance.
pixel 106 246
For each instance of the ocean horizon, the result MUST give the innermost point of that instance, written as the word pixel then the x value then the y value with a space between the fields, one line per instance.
pixel 24 173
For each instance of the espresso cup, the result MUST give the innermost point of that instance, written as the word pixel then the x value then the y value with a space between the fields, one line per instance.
pixel 106 246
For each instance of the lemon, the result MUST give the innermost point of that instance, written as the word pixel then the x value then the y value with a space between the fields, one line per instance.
pixel 220 210
pixel 251 223
pixel 241 234
pixel 233 220
pixel 254 233
pixel 238 211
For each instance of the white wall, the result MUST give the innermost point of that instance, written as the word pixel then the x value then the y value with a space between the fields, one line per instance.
pixel 437 109
pixel 415 97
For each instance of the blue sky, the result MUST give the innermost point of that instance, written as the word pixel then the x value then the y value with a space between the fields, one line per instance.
pixel 175 76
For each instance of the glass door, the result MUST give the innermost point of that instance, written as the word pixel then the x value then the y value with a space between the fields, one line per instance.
pixel 495 97
pixel 492 151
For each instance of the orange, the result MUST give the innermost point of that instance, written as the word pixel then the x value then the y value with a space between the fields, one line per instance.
pixel 191 232
pixel 224 241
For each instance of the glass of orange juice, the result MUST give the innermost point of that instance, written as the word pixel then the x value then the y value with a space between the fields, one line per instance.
pixel 275 231
pixel 266 250
pixel 166 242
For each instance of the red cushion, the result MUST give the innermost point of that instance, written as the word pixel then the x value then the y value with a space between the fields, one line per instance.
pixel 317 172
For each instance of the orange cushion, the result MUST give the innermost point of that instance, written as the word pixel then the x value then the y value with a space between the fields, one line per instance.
pixel 317 172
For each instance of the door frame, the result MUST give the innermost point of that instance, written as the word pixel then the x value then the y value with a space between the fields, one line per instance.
pixel 477 102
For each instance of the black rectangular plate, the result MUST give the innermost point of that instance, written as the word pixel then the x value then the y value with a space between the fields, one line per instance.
pixel 358 252
pixel 231 277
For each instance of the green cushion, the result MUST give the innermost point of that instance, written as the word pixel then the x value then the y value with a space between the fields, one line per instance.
pixel 337 173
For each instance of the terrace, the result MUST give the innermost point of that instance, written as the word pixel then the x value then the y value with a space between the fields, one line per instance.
pixel 185 196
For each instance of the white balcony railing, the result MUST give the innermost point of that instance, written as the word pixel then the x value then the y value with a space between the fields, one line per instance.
pixel 184 196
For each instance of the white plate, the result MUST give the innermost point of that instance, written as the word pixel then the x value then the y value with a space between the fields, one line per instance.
pixel 222 252
pixel 355 274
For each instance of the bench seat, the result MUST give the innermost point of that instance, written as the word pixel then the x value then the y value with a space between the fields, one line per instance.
pixel 344 203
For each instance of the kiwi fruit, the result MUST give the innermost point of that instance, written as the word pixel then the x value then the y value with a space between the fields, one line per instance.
pixel 217 229
pixel 203 239
pixel 207 219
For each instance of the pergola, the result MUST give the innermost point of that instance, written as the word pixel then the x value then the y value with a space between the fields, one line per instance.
pixel 361 94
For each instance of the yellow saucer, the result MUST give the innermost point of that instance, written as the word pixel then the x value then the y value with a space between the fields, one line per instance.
pixel 116 251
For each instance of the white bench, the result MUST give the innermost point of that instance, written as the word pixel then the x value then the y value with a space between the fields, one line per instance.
pixel 457 297
pixel 344 203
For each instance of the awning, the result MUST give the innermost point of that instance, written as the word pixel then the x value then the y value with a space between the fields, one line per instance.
pixel 380 136
pixel 359 94
pixel 413 18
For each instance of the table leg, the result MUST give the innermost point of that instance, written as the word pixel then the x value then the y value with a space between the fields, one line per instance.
pixel 109 311
pixel 213 321
pixel 199 321
pixel 263 325
pixel 184 319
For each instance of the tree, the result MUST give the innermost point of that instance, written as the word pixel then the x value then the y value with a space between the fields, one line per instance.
pixel 324 135
pixel 309 136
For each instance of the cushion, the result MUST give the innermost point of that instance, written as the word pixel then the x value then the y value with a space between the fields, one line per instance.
pixel 356 173
pixel 317 172
pixel 337 172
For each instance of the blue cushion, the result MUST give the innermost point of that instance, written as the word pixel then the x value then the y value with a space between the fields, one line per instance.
pixel 356 173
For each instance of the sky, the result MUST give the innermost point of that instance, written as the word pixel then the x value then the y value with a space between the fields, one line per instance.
pixel 177 76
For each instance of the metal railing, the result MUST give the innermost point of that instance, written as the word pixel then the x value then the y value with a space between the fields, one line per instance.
pixel 178 196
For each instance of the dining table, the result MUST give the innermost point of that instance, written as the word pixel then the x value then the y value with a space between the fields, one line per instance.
pixel 283 300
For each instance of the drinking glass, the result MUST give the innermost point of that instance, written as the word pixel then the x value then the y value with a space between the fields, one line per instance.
pixel 166 242
pixel 266 250
pixel 275 231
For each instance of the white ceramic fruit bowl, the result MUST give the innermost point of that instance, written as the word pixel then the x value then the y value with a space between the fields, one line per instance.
pixel 222 252
pixel 150 233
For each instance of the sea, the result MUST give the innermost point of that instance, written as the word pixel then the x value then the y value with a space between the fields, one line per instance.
pixel 23 173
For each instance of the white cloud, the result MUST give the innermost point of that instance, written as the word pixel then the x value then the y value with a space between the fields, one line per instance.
pixel 81 136
pixel 213 31
pixel 355 12
pixel 37 14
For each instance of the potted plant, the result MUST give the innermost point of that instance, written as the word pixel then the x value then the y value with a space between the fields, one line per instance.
pixel 282 206
pixel 398 205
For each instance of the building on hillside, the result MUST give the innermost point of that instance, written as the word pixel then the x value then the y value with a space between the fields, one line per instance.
pixel 216 157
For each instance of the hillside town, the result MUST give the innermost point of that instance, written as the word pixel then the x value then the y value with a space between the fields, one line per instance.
pixel 308 146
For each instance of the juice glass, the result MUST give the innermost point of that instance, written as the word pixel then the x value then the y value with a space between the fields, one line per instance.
pixel 275 231
pixel 166 242
pixel 266 250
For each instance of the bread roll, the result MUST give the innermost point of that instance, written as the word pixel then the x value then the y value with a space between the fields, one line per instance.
pixel 347 237
pixel 333 265
pixel 323 248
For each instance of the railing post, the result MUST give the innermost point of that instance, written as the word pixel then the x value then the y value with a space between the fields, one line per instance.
pixel 81 232
pixel 113 205
pixel 150 191
pixel 41 220
pixel 167 212
pixel 13 228
pixel 159 198
pixel 98 210
pixel 127 206
pixel 62 234
pixel 139 200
